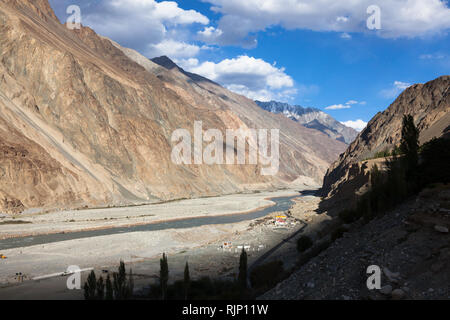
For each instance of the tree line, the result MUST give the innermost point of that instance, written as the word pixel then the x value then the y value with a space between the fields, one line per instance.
pixel 122 285
pixel 410 169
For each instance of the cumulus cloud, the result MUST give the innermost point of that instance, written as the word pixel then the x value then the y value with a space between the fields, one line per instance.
pixel 241 20
pixel 249 76
pixel 395 90
pixel 186 64
pixel 144 25
pixel 358 125
pixel 173 49
pixel 338 107
pixel 209 34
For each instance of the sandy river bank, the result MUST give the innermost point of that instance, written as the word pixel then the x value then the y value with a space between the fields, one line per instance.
pixel 142 250
pixel 92 219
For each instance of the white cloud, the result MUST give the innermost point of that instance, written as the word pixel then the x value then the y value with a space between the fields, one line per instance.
pixel 401 85
pixel 172 49
pixel 249 76
pixel 209 34
pixel 142 24
pixel 433 56
pixel 164 11
pixel 264 95
pixel 241 20
pixel 395 90
pixel 358 125
pixel 187 64
pixel 338 107
pixel 341 19
pixel 347 105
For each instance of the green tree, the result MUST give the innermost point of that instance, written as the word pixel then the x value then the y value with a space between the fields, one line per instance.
pixel 130 288
pixel 109 292
pixel 100 289
pixel 409 145
pixel 435 166
pixel 242 278
pixel 164 276
pixel 90 287
pixel 186 281
pixel 120 283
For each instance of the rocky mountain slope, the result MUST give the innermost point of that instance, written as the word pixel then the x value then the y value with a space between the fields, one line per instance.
pixel 312 118
pixel 410 245
pixel 428 103
pixel 85 122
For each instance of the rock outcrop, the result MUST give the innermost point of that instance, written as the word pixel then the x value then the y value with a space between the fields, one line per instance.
pixel 428 103
pixel 84 122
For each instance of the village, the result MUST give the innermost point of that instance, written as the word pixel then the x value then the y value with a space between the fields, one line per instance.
pixel 280 222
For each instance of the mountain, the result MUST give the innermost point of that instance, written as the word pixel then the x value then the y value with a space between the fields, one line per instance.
pixel 312 118
pixel 428 103
pixel 85 122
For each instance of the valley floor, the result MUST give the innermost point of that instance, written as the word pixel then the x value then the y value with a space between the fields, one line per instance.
pixel 96 219
pixel 142 250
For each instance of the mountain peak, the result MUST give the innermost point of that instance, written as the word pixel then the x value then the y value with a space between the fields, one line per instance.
pixel 41 7
pixel 312 118
pixel 166 62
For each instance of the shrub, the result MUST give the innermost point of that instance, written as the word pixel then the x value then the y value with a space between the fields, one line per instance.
pixel 201 289
pixel 266 276
pixel 338 233
pixel 349 216
pixel 304 243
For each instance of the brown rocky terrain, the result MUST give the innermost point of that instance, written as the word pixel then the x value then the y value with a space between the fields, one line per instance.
pixel 428 103
pixel 84 122
pixel 410 244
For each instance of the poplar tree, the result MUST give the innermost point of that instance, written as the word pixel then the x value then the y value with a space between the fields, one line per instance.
pixel 410 144
pixel 109 292
pixel 120 283
pixel 242 278
pixel 90 287
pixel 100 289
pixel 164 276
pixel 187 281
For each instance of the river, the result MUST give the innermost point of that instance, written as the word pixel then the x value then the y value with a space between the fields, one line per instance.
pixel 281 204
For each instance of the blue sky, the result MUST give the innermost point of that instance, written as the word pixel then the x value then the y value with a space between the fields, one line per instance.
pixel 313 53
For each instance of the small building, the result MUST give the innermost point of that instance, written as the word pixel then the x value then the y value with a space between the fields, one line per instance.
pixel 280 220
pixel 227 245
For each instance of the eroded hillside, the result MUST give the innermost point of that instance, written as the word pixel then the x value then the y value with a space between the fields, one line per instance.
pixel 83 124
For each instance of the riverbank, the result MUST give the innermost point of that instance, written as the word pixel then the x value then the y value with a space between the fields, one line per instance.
pixel 98 219
pixel 141 251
